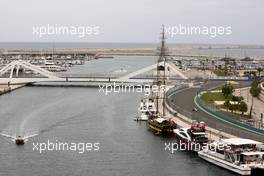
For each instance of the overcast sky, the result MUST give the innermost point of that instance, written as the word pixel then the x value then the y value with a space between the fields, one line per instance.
pixel 133 20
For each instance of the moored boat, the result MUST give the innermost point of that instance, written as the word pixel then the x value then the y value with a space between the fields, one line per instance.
pixel 162 126
pixel 239 155
pixel 195 134
pixel 147 109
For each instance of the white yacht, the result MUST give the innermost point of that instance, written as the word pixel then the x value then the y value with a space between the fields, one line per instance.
pixel 194 135
pixel 54 68
pixel 242 156
pixel 48 62
pixel 146 109
pixel 50 66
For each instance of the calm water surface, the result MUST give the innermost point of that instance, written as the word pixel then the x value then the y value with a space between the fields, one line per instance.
pixel 85 115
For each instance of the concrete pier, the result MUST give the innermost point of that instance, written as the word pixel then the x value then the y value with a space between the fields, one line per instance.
pixel 5 88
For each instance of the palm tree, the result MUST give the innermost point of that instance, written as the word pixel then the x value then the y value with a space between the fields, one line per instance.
pixel 227 104
pixel 242 107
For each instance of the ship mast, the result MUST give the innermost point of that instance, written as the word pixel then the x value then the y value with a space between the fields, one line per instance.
pixel 161 69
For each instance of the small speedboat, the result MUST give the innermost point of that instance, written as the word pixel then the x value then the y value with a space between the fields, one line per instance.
pixel 19 140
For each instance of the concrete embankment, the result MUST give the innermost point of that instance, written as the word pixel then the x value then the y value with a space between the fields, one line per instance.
pixel 5 88
pixel 179 50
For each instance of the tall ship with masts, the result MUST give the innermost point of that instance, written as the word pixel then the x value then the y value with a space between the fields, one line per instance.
pixel 159 123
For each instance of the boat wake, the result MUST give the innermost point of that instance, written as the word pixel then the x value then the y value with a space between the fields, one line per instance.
pixel 60 123
pixel 26 136
pixel 14 137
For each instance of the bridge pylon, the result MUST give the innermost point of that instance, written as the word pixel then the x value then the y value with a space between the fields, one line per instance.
pixel 17 64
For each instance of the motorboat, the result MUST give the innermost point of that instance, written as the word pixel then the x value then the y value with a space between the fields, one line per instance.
pixel 18 140
pixel 195 134
pixel 52 67
pixel 239 155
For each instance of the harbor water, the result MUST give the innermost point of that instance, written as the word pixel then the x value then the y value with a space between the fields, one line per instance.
pixel 84 115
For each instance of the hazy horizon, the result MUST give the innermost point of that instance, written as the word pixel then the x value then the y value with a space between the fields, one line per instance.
pixel 123 21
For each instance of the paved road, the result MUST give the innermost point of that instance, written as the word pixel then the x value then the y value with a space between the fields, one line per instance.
pixel 183 103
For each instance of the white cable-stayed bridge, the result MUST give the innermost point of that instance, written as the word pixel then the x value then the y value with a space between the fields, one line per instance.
pixel 10 75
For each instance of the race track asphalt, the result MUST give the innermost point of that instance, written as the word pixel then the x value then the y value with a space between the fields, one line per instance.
pixel 183 102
